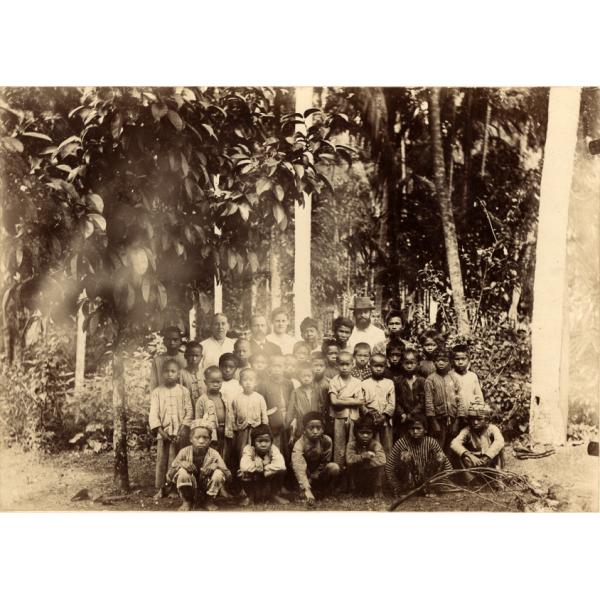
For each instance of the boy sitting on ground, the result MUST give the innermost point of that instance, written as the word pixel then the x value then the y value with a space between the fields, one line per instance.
pixel 262 469
pixel 481 443
pixel 415 458
pixel 198 471
pixel 365 459
pixel 311 459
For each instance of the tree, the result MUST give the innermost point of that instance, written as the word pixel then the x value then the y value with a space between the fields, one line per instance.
pixel 447 215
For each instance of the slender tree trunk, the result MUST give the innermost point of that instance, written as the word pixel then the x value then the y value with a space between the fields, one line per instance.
pixel 467 148
pixel 275 270
pixel 80 349
pixel 548 417
pixel 486 135
pixel 121 471
pixel 446 214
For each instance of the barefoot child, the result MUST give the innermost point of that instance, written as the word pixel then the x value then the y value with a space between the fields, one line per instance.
pixel 346 396
pixel 410 392
pixel 198 471
pixel 213 411
pixel 262 469
pixel 470 387
pixel 481 443
pixel 414 458
pixel 443 402
pixel 304 399
pixel 380 401
pixel 170 416
pixel 230 388
pixel 311 459
pixel 365 459
pixel 362 355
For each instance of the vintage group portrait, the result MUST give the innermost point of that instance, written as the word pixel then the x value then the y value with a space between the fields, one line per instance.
pixel 299 298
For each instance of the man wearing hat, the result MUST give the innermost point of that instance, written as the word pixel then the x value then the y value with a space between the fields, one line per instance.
pixel 481 443
pixel 364 331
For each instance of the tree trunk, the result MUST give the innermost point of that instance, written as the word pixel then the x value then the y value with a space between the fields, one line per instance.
pixel 446 214
pixel 302 231
pixel 467 147
pixel 80 349
pixel 275 270
pixel 121 471
pixel 547 417
pixel 486 135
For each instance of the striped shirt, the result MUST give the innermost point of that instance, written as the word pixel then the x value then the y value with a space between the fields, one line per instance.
pixel 414 461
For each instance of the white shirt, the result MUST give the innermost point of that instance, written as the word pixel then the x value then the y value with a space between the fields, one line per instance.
pixel 372 335
pixel 213 350
pixel 285 342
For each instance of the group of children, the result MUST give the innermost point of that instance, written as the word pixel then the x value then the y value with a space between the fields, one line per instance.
pixel 321 421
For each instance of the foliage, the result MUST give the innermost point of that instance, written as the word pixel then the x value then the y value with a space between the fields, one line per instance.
pixel 33 395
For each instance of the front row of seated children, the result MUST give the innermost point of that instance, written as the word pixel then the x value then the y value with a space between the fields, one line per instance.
pixel 378 429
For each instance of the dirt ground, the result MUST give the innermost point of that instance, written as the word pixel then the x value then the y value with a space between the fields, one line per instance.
pixel 48 483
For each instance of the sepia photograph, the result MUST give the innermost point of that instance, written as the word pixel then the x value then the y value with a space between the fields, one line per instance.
pixel 234 298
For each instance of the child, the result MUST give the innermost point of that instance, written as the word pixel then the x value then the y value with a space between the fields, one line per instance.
pixel 362 355
pixel 480 444
pixel 469 382
pixel 342 330
pixel 330 351
pixel 198 471
pixel 365 459
pixel 311 459
pixel 172 342
pixel 290 365
pixel 415 457
pixel 410 392
pixel 301 351
pixel 393 325
pixel 230 388
pixel 430 342
pixel 346 396
pixel 276 390
pixel 241 351
pixel 213 411
pixel 443 402
pixel 189 375
pixel 248 410
pixel 170 416
pixel 321 381
pixel 380 401
pixel 259 362
pixel 262 468
pixel 309 330
pixel 304 399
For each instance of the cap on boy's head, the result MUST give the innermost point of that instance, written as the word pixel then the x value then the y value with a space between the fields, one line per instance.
pixel 200 424
pixel 416 417
pixel 365 422
pixel 478 409
pixel 312 416
pixel 309 322
pixel 228 356
pixel 342 322
pixel 261 429
pixel 441 353
pixel 460 348
pixel 168 363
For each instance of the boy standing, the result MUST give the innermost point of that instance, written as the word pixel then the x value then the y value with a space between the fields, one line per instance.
pixel 481 443
pixel 230 388
pixel 304 399
pixel 469 382
pixel 241 352
pixel 362 356
pixel 213 411
pixel 365 459
pixel 311 459
pixel 262 468
pixel 189 375
pixel 198 471
pixel 342 330
pixel 410 392
pixel 380 401
pixel 415 457
pixel 330 351
pixel 346 396
pixel 172 342
pixel 170 416
pixel 430 342
pixel 443 402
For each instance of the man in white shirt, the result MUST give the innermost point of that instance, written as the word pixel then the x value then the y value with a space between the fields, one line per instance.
pixel 279 335
pixel 364 330
pixel 218 343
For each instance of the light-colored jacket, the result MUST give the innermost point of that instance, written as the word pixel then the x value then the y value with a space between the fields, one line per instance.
pixel 170 408
pixel 272 462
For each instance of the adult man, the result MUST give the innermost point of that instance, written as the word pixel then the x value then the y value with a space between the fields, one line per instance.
pixel 258 339
pixel 364 331
pixel 279 334
pixel 218 343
